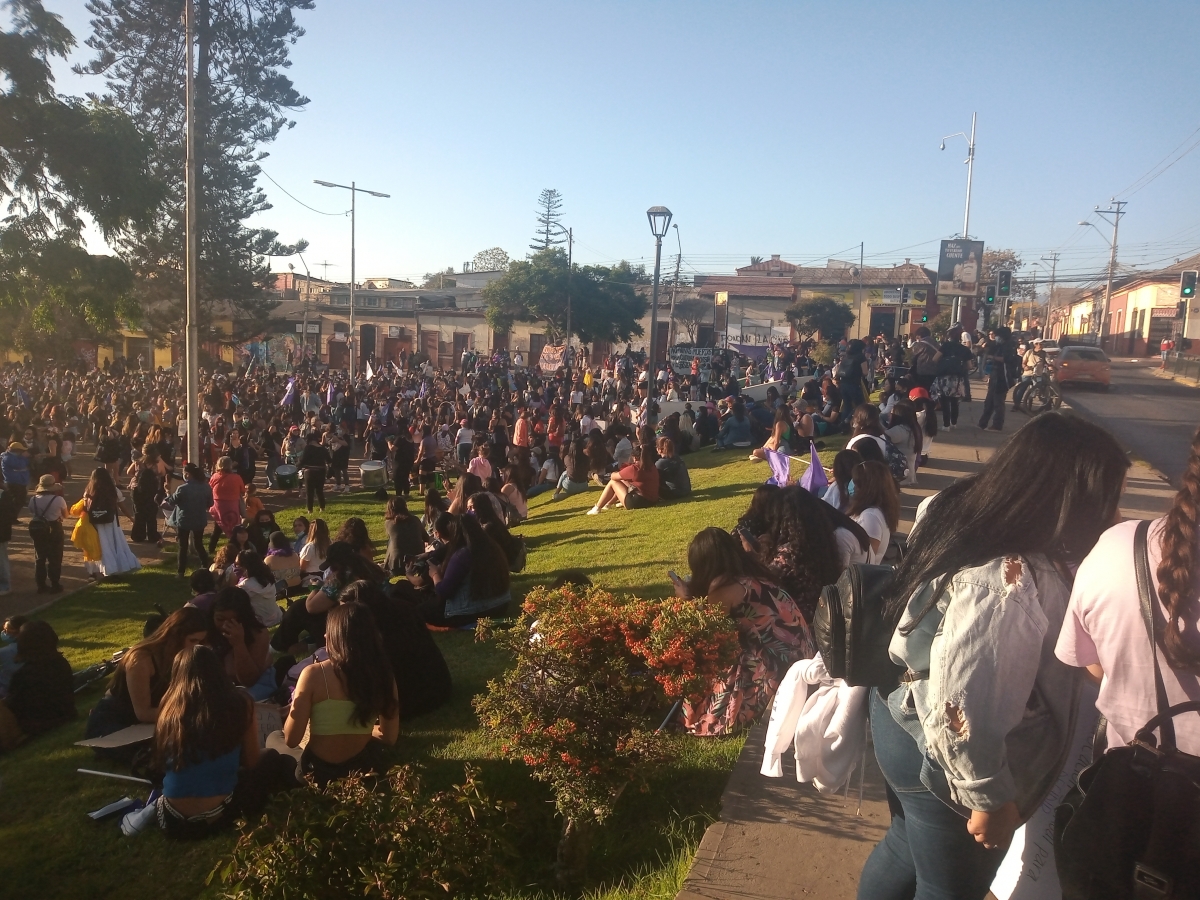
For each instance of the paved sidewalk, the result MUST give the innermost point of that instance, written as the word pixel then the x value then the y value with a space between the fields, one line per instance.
pixel 778 839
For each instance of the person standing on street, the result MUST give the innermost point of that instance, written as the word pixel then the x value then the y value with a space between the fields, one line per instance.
pixel 47 508
pixel 925 358
pixel 14 463
pixel 998 358
pixel 189 515
pixel 8 515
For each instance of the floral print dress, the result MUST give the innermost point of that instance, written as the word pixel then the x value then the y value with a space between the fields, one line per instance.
pixel 773 635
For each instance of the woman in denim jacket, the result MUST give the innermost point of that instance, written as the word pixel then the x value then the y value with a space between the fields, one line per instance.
pixel 979 728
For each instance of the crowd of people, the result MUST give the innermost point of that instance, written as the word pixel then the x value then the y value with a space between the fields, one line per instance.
pixel 1015 584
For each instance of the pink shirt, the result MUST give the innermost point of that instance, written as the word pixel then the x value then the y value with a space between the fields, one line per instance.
pixel 481 467
pixel 1104 625
pixel 521 433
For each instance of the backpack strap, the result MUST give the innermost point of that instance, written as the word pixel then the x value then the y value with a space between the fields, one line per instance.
pixel 1148 597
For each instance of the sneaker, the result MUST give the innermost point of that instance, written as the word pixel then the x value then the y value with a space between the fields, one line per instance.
pixel 139 820
pixel 594 511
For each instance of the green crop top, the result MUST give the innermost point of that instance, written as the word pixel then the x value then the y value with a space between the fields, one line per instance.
pixel 330 717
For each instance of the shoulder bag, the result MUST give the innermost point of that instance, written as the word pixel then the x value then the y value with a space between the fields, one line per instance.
pixel 1130 828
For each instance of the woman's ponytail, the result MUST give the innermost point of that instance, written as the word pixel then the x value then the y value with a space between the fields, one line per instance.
pixel 1179 570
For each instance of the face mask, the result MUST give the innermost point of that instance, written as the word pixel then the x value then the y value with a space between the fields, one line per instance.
pixel 850 489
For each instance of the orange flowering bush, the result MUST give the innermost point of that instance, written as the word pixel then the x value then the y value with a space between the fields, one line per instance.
pixel 593 674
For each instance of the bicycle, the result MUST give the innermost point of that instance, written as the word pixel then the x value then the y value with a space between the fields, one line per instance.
pixel 1042 395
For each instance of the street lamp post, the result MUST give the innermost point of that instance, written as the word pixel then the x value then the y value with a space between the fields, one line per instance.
pixel 354 192
pixel 660 221
pixel 970 163
pixel 191 345
pixel 1117 210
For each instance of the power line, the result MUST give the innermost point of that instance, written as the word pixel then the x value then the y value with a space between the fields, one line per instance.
pixel 301 202
pixel 1155 170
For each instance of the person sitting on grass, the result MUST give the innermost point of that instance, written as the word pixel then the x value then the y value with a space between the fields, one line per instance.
pixel 348 703
pixel 634 487
pixel 354 532
pixel 771 627
pixel 406 537
pixel 316 545
pixel 207 744
pixel 8 651
pixel 283 561
pixel 781 435
pixel 258 581
pixel 493 526
pixel 144 672
pixel 675 482
pixel 473 580
pixel 574 479
pixel 225 562
pixel 343 566
pixel 261 527
pixel 41 694
pixel 735 429
pixel 204 590
pixel 241 640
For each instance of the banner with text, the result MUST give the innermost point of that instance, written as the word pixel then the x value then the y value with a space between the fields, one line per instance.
pixel 959 267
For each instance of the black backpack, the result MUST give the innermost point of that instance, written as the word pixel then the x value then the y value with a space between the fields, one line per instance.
pixel 100 516
pixel 896 460
pixel 1130 827
pixel 852 629
pixel 39 525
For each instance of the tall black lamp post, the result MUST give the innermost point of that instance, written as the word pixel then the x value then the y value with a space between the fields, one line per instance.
pixel 660 221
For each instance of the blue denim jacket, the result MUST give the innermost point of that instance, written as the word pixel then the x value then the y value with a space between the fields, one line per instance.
pixel 997 711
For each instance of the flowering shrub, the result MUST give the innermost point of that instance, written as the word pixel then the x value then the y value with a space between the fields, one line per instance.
pixel 592 676
pixel 369 837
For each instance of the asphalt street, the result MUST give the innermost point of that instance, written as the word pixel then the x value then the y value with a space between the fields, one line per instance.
pixel 1154 418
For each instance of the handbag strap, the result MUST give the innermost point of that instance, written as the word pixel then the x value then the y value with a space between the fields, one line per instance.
pixel 1148 598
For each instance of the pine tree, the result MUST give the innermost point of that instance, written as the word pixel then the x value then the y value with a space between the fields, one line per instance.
pixel 242 99
pixel 549 233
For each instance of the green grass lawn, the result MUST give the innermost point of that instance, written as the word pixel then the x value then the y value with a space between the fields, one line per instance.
pixel 53 850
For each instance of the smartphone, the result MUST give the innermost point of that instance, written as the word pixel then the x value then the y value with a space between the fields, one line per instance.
pixel 671 574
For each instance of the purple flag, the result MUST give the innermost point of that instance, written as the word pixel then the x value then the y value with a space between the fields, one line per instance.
pixel 290 397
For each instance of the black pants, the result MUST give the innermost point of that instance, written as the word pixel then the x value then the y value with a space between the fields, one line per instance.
pixel 49 552
pixel 270 775
pixel 993 404
pixel 402 479
pixel 367 760
pixel 949 411
pixel 196 537
pixel 297 620
pixel 145 520
pixel 217 533
pixel 314 487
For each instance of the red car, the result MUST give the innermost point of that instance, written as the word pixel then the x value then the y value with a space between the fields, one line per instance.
pixel 1083 365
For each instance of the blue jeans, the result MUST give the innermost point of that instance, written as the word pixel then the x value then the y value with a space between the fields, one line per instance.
pixel 569 487
pixel 540 489
pixel 927 853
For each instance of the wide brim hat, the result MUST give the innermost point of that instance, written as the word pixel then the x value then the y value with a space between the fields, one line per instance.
pixel 47 485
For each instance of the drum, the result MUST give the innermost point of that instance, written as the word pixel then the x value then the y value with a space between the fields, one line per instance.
pixel 373 474
pixel 287 478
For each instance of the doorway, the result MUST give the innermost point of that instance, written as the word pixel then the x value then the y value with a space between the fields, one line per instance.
pixel 883 321
pixel 536 343
pixel 368 336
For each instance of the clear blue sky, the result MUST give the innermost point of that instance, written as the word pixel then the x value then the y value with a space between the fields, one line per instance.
pixel 791 128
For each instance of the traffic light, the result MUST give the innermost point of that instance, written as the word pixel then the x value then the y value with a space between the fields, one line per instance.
pixel 904 295
pixel 1187 286
pixel 924 317
pixel 990 296
pixel 1004 282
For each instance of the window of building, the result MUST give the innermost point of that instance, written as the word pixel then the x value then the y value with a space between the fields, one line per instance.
pixel 372 302
pixel 340 299
pixel 396 303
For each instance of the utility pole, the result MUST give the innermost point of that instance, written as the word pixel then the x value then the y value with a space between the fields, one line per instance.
pixel 1116 210
pixel 970 173
pixel 325 266
pixel 192 336
pixel 1050 299
pixel 674 287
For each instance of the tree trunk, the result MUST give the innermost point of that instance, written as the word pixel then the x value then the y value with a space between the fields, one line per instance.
pixel 574 845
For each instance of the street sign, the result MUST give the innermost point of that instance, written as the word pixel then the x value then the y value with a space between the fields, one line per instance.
pixel 959 265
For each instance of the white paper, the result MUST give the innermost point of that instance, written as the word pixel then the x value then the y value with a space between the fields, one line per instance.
pixel 134 734
pixel 1028 871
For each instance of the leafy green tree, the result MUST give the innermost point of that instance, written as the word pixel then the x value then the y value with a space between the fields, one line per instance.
pixel 549 233
pixel 437 281
pixel 820 315
pixel 62 160
pixel 494 259
pixel 243 97
pixel 605 304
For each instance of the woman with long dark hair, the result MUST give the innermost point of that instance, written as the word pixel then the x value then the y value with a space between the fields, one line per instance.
pixel 354 532
pixel 973 739
pixel 241 639
pixel 343 566
pixel 771 627
pixel 473 582
pixel 636 486
pixel 206 741
pixel 102 503
pixel 348 702
pixel 875 505
pixel 258 582
pixel 406 537
pixel 838 493
pixel 481 508
pixel 1104 630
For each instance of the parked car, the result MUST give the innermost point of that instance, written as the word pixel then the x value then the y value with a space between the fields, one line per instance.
pixel 1083 365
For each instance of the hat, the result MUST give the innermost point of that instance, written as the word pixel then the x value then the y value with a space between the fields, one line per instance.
pixel 1037 340
pixel 17 445
pixel 918 393
pixel 47 484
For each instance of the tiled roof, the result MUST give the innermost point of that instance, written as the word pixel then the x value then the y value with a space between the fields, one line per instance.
pixel 744 286
pixel 894 276
pixel 774 267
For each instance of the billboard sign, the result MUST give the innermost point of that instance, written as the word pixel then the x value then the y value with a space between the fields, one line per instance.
pixel 681 357
pixel 959 268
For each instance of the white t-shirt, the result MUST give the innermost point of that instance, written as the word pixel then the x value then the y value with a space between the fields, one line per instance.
pixel 311 558
pixel 50 507
pixel 1104 625
pixel 465 435
pixel 875 525
pixel 262 600
pixel 859 438
pixel 833 495
pixel 850 551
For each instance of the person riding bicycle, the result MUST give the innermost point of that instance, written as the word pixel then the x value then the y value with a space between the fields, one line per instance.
pixel 1033 367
